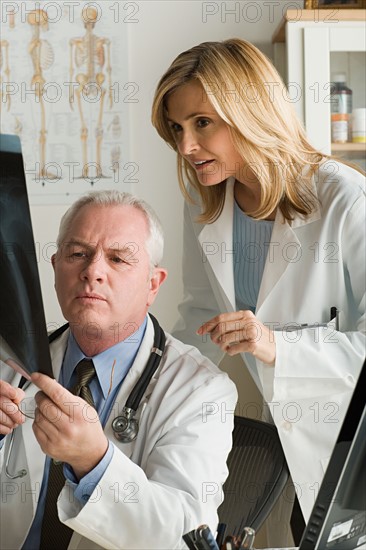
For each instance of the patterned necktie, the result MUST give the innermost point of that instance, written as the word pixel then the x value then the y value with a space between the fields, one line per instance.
pixel 85 372
pixel 55 534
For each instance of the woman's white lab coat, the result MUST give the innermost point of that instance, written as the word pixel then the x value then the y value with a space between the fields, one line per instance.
pixel 171 484
pixel 312 265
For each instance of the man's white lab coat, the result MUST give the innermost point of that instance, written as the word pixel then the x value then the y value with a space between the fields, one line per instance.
pixel 164 484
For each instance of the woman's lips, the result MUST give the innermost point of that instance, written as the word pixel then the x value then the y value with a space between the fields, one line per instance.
pixel 200 165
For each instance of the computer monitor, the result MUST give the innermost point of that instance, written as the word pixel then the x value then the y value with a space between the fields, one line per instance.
pixel 23 332
pixel 338 518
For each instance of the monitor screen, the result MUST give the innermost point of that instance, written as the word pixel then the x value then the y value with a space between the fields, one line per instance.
pixel 23 332
pixel 338 518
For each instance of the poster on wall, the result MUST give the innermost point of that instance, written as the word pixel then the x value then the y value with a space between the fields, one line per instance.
pixel 65 93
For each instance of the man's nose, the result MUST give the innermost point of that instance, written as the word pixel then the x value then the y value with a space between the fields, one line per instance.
pixel 95 270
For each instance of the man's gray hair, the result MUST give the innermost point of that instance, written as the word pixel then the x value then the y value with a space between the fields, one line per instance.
pixel 155 241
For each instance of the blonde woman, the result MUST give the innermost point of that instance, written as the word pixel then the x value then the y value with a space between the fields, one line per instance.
pixel 274 240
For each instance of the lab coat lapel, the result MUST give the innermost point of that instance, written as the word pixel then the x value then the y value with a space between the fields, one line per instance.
pixel 57 351
pixel 129 382
pixel 34 455
pixel 284 249
pixel 216 240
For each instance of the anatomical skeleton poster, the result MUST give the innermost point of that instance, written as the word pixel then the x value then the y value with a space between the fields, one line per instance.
pixel 65 93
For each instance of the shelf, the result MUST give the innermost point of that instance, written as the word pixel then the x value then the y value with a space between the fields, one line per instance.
pixel 349 147
pixel 350 150
pixel 304 45
pixel 327 16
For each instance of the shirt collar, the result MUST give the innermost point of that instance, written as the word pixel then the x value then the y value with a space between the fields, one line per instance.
pixel 111 365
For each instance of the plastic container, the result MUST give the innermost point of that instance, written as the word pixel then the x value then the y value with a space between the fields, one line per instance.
pixel 340 128
pixel 359 125
pixel 341 104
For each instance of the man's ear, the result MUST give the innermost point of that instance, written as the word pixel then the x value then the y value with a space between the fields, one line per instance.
pixel 156 279
pixel 53 260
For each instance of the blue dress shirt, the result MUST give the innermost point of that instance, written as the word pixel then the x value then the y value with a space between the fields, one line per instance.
pixel 251 240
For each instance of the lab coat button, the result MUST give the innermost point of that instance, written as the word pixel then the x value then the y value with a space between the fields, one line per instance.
pixel 287 426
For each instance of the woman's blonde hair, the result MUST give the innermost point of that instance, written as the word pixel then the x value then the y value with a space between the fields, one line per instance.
pixel 250 96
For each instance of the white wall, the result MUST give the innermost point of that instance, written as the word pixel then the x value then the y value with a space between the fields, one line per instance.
pixel 161 31
pixel 164 29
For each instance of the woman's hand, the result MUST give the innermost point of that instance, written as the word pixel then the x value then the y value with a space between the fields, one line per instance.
pixel 240 332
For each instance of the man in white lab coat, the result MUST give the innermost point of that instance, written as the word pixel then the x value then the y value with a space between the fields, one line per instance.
pixel 145 493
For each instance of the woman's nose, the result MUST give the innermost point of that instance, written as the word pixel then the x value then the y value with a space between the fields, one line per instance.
pixel 188 143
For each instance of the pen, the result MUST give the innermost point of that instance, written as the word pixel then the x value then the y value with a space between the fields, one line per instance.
pixel 205 539
pixel 291 327
pixel 200 539
pixel 299 326
pixel 221 529
pixel 231 543
pixel 188 539
pixel 247 538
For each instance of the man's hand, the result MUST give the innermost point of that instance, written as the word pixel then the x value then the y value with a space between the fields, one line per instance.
pixel 10 416
pixel 66 427
pixel 240 331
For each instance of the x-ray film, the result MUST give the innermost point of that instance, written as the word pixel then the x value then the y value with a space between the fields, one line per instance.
pixel 23 333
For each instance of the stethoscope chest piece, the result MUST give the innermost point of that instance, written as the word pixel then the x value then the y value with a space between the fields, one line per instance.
pixel 125 427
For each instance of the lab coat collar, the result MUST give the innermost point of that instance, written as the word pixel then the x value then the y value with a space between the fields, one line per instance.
pixel 284 249
pixel 216 240
pixel 57 352
pixel 129 382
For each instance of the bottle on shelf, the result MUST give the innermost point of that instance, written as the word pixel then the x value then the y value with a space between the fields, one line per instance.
pixel 341 109
pixel 359 125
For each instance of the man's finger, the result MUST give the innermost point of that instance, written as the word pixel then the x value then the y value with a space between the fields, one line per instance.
pixel 54 391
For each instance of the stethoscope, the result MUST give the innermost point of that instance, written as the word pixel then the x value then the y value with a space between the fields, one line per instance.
pixel 125 427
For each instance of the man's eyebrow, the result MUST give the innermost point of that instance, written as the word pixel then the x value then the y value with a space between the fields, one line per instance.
pixel 77 242
pixel 116 248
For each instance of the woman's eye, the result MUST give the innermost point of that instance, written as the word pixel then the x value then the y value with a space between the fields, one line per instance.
pixel 175 127
pixel 202 122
